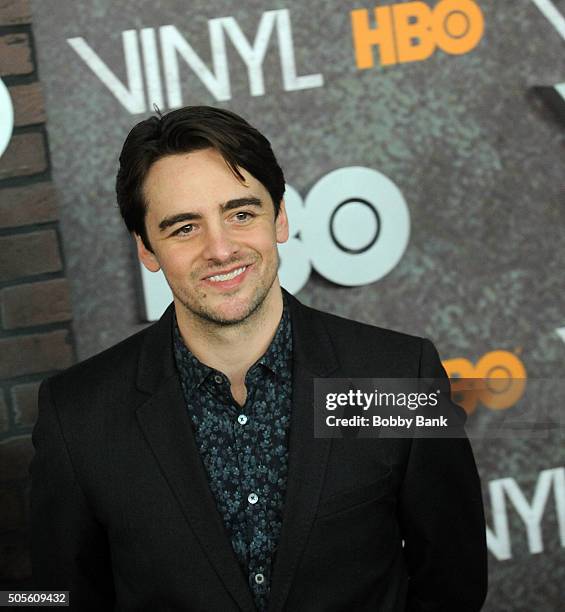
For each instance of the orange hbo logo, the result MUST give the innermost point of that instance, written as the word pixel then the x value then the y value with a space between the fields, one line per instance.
pixel 497 380
pixel 411 31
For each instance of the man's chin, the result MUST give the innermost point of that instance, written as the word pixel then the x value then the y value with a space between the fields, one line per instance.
pixel 230 312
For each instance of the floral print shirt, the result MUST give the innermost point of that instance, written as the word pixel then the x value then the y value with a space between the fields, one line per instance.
pixel 244 449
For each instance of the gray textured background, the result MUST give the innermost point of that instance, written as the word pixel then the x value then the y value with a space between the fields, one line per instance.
pixel 478 157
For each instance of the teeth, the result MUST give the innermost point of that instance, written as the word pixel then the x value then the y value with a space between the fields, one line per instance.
pixel 225 277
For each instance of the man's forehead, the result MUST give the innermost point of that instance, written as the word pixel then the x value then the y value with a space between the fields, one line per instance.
pixel 200 178
pixel 195 167
pixel 196 161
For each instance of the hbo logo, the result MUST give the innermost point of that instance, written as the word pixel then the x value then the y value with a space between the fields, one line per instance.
pixel 352 228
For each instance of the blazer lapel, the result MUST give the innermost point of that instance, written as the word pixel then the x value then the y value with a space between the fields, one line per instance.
pixel 313 357
pixel 166 426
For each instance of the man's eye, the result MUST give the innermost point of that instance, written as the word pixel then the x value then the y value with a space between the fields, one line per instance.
pixel 243 215
pixel 184 230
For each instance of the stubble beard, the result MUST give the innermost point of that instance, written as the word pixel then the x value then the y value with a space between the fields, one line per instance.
pixel 208 316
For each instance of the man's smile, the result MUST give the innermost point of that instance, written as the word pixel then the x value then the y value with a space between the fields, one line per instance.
pixel 228 275
pixel 229 279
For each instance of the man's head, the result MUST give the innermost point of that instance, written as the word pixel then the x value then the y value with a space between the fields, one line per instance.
pixel 201 191
pixel 192 128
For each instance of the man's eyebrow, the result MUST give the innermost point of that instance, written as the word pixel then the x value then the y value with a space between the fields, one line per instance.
pixel 239 202
pixel 190 216
pixel 174 219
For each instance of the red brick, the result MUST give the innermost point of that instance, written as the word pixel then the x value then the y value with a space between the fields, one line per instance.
pixel 29 105
pixel 12 511
pixel 27 254
pixel 4 420
pixel 24 402
pixel 15 456
pixel 14 12
pixel 35 353
pixel 29 204
pixel 35 304
pixel 15 54
pixel 24 156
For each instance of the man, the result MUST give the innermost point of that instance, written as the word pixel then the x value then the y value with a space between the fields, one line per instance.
pixel 179 469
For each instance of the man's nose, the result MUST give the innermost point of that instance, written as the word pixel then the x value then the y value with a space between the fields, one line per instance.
pixel 220 244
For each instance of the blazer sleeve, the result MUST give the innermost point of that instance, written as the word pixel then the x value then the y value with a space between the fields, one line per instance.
pixel 69 548
pixel 442 517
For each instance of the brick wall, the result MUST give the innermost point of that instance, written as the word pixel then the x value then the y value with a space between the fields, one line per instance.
pixel 35 310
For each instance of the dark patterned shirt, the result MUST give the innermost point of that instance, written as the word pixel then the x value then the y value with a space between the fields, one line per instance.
pixel 245 448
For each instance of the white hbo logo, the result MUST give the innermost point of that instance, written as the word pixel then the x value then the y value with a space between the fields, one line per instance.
pixel 6 117
pixel 352 228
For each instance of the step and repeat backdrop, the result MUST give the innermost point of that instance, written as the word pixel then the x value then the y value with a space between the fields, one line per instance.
pixel 423 148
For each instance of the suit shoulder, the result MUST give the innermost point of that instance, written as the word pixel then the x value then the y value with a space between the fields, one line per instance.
pixel 364 333
pixel 363 349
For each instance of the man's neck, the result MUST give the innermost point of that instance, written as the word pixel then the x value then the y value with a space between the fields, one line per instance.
pixel 232 349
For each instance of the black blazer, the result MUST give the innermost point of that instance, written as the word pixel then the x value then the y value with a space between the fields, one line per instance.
pixel 123 517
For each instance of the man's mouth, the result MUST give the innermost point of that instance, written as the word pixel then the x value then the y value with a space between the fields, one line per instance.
pixel 217 278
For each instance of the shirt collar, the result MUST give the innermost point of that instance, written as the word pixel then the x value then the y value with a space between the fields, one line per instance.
pixel 277 358
pixel 278 355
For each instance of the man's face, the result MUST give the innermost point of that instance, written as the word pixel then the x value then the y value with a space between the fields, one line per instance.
pixel 214 238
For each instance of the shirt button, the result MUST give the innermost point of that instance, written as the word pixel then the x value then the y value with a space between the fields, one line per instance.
pixel 259 578
pixel 242 419
pixel 252 498
pixel 218 379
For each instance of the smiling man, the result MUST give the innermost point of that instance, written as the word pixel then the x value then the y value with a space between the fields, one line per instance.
pixel 179 469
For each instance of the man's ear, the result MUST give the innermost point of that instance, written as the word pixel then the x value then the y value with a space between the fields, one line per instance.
pixel 281 224
pixel 146 257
